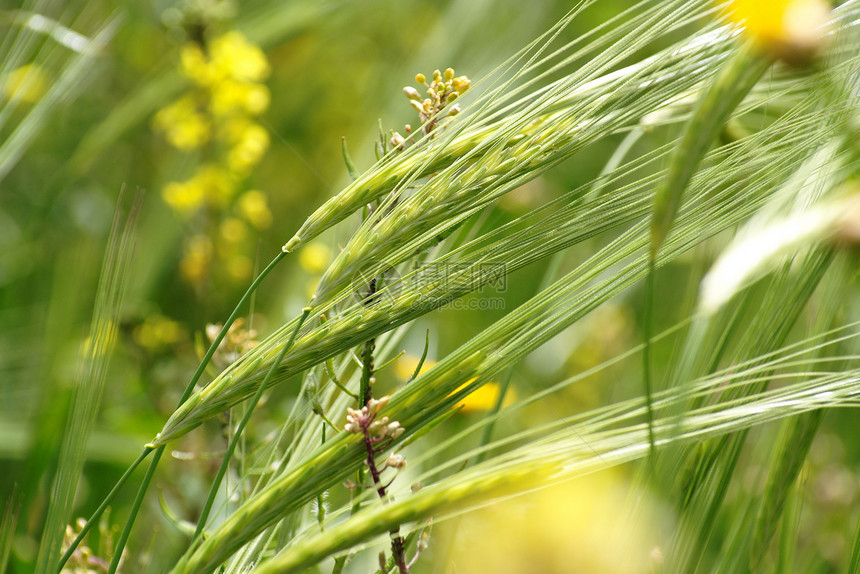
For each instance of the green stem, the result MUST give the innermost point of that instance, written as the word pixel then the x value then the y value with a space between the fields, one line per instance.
pixel 138 500
pixel 366 389
pixel 187 393
pixel 207 508
pixel 365 392
pixel 339 563
pixel 646 351
pixel 488 430
pixel 391 361
pixel 321 495
pixel 423 356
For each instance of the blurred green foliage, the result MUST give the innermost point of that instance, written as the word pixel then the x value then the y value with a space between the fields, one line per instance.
pixel 337 67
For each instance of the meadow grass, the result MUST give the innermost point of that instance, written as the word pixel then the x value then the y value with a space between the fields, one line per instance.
pixel 762 194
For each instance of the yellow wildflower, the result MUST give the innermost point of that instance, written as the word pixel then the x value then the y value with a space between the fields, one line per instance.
pixel 576 526
pixel 183 125
pixel 195 262
pixel 240 267
pixel 233 230
pixel 253 207
pixel 785 28
pixel 315 257
pixel 482 399
pixel 195 65
pixel 218 184
pixel 232 56
pixel 25 84
pixel 249 149
pixel 158 332
pixel 231 96
pixel 405 366
pixel 185 198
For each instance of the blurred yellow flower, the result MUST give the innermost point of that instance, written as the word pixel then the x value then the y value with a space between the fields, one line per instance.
pixel 256 99
pixel 182 124
pixel 254 207
pixel 194 64
pixel 195 261
pixel 232 56
pixel 231 96
pixel 583 525
pixel 780 25
pixel 184 198
pixel 240 267
pixel 405 366
pixel 249 149
pixel 482 399
pixel 227 94
pixel 210 184
pixel 158 332
pixel 233 230
pixel 315 258
pixel 218 184
pixel 25 84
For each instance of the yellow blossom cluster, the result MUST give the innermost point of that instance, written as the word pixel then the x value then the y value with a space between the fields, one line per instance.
pixel 442 91
pixel 217 118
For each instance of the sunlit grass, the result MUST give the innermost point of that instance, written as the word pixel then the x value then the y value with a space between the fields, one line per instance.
pixel 769 339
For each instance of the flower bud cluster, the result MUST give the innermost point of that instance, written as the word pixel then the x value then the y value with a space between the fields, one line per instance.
pixel 238 341
pixel 367 421
pixel 442 91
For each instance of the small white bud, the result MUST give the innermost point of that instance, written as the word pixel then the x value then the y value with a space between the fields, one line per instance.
pixel 397 461
pixel 412 93
pixel 376 405
pixel 397 141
